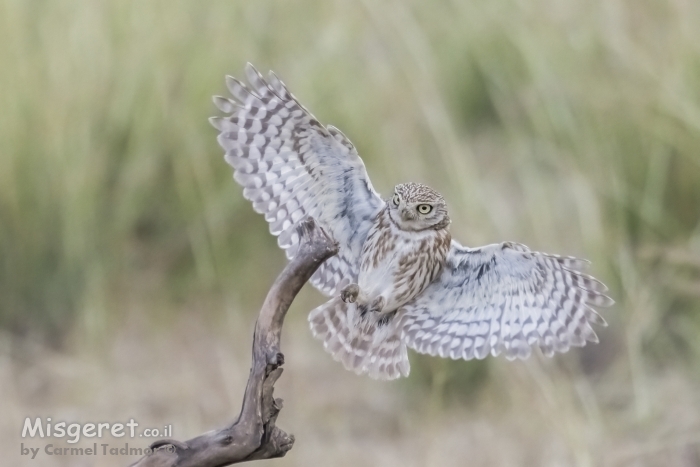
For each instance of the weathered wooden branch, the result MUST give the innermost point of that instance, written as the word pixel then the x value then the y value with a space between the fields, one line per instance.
pixel 254 435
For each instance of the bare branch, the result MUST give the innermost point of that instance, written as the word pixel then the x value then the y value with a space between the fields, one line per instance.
pixel 254 435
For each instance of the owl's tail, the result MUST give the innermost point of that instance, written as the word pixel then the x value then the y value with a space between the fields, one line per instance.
pixel 361 346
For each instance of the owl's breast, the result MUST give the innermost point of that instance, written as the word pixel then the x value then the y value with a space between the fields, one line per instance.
pixel 399 264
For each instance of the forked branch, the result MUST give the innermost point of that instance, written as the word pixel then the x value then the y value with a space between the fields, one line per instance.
pixel 254 435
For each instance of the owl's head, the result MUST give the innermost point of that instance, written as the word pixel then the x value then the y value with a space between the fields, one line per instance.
pixel 418 207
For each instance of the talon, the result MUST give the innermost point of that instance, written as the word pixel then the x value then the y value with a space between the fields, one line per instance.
pixel 377 305
pixel 349 294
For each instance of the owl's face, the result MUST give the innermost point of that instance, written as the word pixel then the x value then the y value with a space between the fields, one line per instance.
pixel 418 207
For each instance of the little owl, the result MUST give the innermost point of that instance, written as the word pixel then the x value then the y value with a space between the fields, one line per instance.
pixel 399 279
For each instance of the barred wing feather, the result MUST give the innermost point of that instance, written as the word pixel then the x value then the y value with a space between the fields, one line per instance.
pixel 291 167
pixel 504 298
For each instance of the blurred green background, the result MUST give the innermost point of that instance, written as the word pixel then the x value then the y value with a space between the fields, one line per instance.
pixel 131 267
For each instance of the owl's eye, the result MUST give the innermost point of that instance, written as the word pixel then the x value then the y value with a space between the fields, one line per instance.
pixel 396 200
pixel 424 208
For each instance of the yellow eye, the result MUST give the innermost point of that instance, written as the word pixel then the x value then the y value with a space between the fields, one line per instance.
pixel 396 200
pixel 424 208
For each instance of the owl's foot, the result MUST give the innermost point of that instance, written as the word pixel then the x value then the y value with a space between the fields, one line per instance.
pixel 349 293
pixel 377 305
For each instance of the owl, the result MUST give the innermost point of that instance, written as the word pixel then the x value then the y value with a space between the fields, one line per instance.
pixel 399 280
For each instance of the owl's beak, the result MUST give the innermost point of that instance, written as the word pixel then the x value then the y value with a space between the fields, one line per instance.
pixel 407 214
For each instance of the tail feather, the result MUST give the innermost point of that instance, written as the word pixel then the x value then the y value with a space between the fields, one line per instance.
pixel 361 346
pixel 389 361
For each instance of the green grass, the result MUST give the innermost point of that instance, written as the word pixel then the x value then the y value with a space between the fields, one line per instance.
pixel 573 127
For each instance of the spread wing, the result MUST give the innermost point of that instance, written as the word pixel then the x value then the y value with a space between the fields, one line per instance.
pixel 504 298
pixel 291 166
